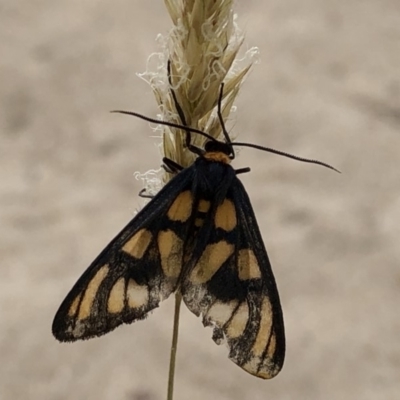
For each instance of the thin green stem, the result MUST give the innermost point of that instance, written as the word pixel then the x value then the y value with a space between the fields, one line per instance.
pixel 174 346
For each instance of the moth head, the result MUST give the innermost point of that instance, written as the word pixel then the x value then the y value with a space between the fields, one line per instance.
pixel 214 146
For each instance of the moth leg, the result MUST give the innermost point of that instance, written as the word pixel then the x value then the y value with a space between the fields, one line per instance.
pixel 242 170
pixel 144 195
pixel 171 166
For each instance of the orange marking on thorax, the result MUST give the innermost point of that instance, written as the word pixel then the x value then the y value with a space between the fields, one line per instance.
pixel 217 156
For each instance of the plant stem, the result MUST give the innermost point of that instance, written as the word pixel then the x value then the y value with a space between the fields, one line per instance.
pixel 174 346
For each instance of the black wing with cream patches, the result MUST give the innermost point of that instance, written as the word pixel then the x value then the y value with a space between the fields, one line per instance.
pixel 137 270
pixel 229 282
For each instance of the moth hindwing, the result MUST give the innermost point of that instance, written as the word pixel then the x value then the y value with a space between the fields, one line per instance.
pixel 198 235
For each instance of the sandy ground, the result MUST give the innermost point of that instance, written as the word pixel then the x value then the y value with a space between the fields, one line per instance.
pixel 328 87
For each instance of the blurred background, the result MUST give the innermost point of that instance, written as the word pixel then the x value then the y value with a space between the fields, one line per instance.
pixel 327 87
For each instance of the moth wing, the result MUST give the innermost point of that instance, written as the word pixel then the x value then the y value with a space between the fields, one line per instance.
pixel 138 269
pixel 230 283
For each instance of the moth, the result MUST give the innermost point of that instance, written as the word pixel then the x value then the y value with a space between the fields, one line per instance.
pixel 199 236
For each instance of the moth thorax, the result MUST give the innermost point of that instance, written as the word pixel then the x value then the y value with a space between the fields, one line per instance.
pixel 217 156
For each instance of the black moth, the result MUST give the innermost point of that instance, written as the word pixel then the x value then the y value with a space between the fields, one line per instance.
pixel 198 235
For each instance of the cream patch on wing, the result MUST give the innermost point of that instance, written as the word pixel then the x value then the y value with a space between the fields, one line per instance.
pixel 86 305
pixel 220 312
pixel 116 298
pixel 264 329
pixel 138 243
pixel 210 261
pixel 137 295
pixel 74 306
pixel 238 322
pixel 261 364
pixel 181 208
pixel 171 248
pixel 204 206
pixel 248 265
pixel 225 216
pixel 271 346
pixel 263 369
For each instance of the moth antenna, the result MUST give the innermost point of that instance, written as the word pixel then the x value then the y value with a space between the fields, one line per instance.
pixel 178 107
pixel 231 144
pixel 222 122
pixel 171 124
pixel 188 138
pixel 288 155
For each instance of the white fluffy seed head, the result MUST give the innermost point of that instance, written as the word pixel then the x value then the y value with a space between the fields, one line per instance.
pixel 203 50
